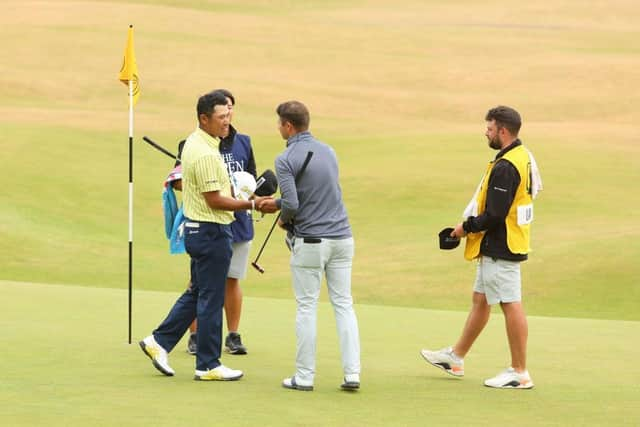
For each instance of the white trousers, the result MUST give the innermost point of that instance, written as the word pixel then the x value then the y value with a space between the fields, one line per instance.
pixel 308 263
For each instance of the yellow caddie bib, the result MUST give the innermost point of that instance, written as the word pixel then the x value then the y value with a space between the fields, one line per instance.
pixel 520 215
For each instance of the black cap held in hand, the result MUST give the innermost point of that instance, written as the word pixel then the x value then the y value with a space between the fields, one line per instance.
pixel 267 184
pixel 446 241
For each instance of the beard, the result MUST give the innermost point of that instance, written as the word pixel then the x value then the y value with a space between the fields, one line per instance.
pixel 494 143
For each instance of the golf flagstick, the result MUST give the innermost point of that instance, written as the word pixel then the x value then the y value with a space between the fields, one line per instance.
pixel 130 77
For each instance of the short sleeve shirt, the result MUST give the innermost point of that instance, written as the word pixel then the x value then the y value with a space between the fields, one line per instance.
pixel 203 170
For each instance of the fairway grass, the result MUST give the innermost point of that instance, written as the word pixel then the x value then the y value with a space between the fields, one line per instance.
pixel 398 89
pixel 65 362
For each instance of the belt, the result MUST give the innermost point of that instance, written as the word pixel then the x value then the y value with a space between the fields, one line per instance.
pixel 311 240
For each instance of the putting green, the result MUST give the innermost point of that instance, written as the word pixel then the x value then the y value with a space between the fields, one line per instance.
pixel 65 361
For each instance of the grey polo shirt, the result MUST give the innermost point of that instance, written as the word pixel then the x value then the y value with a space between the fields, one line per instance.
pixel 316 200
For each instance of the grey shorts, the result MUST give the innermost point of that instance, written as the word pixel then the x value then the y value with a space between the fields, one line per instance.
pixel 498 280
pixel 239 260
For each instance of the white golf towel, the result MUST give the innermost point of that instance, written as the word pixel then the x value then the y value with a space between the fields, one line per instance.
pixel 536 179
pixel 536 187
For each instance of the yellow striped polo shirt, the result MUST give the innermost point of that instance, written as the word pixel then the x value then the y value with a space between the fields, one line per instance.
pixel 203 170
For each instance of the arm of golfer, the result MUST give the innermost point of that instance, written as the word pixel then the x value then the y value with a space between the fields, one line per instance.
pixel 289 197
pixel 217 201
pixel 288 202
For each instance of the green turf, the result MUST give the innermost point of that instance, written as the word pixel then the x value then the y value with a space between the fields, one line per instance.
pixel 400 90
pixel 68 363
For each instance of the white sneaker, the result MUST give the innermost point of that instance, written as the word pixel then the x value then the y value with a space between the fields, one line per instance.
pixel 351 382
pixel 446 360
pixel 291 383
pixel 157 354
pixel 509 378
pixel 221 373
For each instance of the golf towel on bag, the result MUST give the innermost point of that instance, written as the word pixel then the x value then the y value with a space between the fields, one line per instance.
pixel 170 208
pixel 173 221
pixel 176 241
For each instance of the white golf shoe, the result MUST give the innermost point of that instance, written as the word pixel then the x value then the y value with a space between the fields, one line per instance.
pixel 157 354
pixel 292 384
pixel 446 360
pixel 220 373
pixel 509 378
pixel 351 382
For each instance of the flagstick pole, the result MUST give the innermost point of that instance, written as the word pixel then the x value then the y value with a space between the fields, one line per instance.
pixel 130 201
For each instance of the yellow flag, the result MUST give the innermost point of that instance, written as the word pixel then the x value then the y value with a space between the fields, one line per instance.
pixel 129 70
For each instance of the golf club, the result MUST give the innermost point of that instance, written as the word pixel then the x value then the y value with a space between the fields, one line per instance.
pixel 297 178
pixel 255 263
pixel 159 148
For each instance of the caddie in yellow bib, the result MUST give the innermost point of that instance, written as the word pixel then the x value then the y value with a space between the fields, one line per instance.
pixel 520 213
pixel 497 225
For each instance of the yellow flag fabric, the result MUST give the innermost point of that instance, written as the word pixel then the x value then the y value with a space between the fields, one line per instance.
pixel 129 70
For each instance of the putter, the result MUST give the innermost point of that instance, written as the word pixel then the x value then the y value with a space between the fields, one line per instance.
pixel 255 264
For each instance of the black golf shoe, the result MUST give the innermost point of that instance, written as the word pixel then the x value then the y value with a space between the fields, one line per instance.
pixel 233 344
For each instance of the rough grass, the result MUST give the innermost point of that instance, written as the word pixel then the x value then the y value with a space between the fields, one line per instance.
pixel 399 91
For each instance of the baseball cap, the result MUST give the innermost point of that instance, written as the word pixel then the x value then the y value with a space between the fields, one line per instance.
pixel 446 241
pixel 267 183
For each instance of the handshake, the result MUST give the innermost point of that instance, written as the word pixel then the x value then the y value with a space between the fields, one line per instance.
pixel 264 204
pixel 259 192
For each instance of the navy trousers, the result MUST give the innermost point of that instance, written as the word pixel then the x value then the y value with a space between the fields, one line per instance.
pixel 209 246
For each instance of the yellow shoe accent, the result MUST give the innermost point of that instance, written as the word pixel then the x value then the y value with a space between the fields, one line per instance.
pixel 221 373
pixel 157 355
pixel 151 351
pixel 209 376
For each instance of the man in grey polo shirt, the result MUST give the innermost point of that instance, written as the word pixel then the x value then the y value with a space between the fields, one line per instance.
pixel 312 208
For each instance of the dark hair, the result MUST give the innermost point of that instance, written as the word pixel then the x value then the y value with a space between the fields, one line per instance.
pixel 295 113
pixel 207 103
pixel 226 93
pixel 505 117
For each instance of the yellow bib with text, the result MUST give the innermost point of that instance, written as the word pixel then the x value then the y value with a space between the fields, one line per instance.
pixel 520 215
